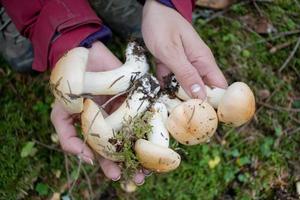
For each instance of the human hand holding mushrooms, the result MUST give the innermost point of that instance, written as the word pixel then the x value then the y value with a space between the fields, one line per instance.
pixel 136 134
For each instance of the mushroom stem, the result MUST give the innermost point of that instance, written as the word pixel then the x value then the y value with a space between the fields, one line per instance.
pixel 159 134
pixel 137 102
pixel 170 103
pixel 155 153
pixel 70 82
pixel 120 79
pixel 214 95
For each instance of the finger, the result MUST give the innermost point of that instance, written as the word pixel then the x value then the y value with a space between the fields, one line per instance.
pixel 173 56
pixel 110 169
pixel 139 178
pixel 202 59
pixel 161 72
pixel 101 58
pixel 63 124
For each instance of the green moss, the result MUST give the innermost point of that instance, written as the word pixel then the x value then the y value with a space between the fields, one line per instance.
pixel 132 130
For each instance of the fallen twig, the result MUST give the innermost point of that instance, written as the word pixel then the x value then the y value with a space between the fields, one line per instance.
pixel 222 12
pixel 77 175
pixel 278 47
pixel 294 131
pixel 279 35
pixel 88 180
pixel 257 8
pixel 278 108
pixel 289 58
pixel 47 146
pixel 67 169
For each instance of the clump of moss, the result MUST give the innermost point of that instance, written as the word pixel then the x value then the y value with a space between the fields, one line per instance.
pixel 132 130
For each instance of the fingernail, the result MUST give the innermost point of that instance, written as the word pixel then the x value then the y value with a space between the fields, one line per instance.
pixel 196 88
pixel 91 161
pixel 197 91
pixel 116 179
pixel 147 172
pixel 141 183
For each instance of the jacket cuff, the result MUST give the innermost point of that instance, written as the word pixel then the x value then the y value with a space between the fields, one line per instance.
pixel 167 3
pixel 103 35
pixel 72 22
pixel 69 40
pixel 185 8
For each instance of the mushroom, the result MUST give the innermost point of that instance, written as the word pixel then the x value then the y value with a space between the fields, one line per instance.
pixel 192 122
pixel 235 105
pixel 99 131
pixel 70 82
pixel 154 153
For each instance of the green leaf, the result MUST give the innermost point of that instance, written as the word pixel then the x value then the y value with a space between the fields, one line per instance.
pixel 246 53
pixel 235 153
pixel 278 131
pixel 229 176
pixel 242 178
pixel 27 149
pixel 266 147
pixel 74 174
pixel 243 161
pixel 296 104
pixel 42 189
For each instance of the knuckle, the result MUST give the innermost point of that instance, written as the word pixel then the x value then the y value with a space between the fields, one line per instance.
pixel 64 146
pixel 186 74
pixel 168 52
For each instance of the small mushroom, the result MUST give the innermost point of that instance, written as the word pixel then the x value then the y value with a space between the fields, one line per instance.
pixel 235 105
pixel 70 82
pixel 154 153
pixel 100 131
pixel 192 122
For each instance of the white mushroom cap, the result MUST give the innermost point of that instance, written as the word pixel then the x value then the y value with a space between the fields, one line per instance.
pixel 97 131
pixel 67 79
pixel 237 105
pixel 192 122
pixel 155 157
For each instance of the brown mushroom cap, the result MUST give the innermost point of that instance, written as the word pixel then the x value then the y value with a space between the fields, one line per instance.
pixel 156 158
pixel 237 105
pixel 192 122
pixel 67 86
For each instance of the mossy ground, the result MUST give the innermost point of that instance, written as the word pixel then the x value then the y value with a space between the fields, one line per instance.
pixel 258 161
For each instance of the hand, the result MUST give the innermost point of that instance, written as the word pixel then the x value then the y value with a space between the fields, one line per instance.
pixel 100 59
pixel 178 48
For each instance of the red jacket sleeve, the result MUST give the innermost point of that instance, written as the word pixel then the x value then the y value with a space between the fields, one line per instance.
pixel 185 8
pixel 53 26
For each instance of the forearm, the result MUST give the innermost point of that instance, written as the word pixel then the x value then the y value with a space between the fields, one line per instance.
pixel 53 26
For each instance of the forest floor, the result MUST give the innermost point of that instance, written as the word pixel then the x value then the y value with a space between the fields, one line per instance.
pixel 253 41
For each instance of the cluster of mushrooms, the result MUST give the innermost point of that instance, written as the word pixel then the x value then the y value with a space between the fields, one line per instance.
pixel 189 121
